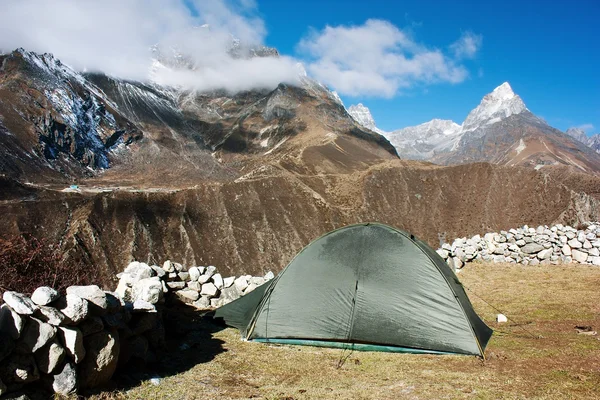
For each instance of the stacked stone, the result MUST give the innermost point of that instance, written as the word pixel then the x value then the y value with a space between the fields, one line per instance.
pixel 73 341
pixel 202 287
pixel 529 246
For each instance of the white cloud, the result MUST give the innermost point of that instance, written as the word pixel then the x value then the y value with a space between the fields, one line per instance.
pixel 375 59
pixel 467 45
pixel 115 37
pixel 588 128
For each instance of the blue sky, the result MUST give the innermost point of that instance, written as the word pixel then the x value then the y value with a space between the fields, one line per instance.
pixel 548 51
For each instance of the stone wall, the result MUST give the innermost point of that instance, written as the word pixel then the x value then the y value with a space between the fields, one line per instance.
pixel 72 341
pixel 529 246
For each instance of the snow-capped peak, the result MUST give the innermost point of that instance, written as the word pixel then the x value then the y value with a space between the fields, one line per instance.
pixel 501 103
pixel 362 115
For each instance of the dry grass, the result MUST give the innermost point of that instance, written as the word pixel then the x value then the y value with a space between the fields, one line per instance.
pixel 544 358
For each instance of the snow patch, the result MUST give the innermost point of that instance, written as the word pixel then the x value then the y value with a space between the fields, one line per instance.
pixel 520 147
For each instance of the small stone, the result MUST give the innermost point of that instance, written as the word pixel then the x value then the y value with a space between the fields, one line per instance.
pixel 49 357
pixel 268 276
pixel 141 305
pixel 139 270
pixel 520 243
pixel 202 279
pixel 19 369
pixel 187 295
pixel 11 323
pixel 194 285
pixel 65 381
pixel 566 250
pixel 44 295
pixel 257 280
pixel 194 274
pixel 176 285
pixel 218 281
pixel 544 254
pixel 50 315
pixel 72 340
pixel 73 307
pixel 532 248
pixel 94 295
pixel 587 244
pixel 227 282
pixel 594 252
pixel 229 294
pixel 443 253
pixel 168 266
pixel 178 267
pixel 575 244
pixel 172 275
pixel 19 303
pixel 210 270
pixel 184 276
pixel 595 260
pixel 158 271
pixel 35 336
pixel 581 236
pixel 209 289
pixel 579 256
pixel 241 283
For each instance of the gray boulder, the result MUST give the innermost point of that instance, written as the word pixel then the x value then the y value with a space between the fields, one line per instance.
pixel 49 357
pixel 94 295
pixel 241 283
pixel 73 307
pixel 138 270
pixel 44 295
pixel 72 340
pixel 50 315
pixel 100 362
pixel 194 285
pixel 11 323
pixel 65 381
pixel 227 282
pixel 230 294
pixel 532 248
pixel 35 336
pixel 20 303
pixel 149 289
pixel 203 302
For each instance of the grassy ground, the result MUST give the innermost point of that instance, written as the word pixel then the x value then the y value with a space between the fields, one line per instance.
pixel 538 355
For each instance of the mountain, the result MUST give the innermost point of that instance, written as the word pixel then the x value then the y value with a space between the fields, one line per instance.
pixel 592 141
pixel 362 115
pixel 500 130
pixel 239 180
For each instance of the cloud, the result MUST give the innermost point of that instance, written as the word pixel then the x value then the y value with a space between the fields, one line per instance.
pixel 115 37
pixel 588 128
pixel 467 45
pixel 375 59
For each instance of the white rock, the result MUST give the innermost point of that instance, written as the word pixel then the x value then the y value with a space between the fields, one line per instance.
pixel 594 252
pixel 50 315
pixel 44 295
pixel 596 243
pixel 202 303
pixel 544 254
pixel 579 256
pixel 581 236
pixel 20 303
pixel 268 276
pixel 595 260
pixel 575 244
pixel 194 274
pixel 210 270
pixel 227 282
pixel 168 266
pixel 11 323
pixel 204 278
pixel 72 340
pixel 194 286
pixel 138 270
pixel 187 295
pixel 587 244
pixel 65 382
pixel 93 294
pixel 566 250
pixel 534 261
pixel 49 357
pixel 218 281
pixel 176 285
pixel 35 336
pixel 241 283
pixel 142 305
pixel 209 289
pixel 500 318
pixel 149 289
pixel 73 307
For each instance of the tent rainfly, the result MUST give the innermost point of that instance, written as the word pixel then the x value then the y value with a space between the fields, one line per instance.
pixel 363 287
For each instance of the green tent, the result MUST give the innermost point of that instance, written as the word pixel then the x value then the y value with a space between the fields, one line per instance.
pixel 363 287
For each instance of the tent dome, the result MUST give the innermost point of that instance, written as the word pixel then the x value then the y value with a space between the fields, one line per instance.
pixel 366 287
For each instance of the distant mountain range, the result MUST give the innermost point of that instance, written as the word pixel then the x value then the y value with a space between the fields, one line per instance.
pixel 500 130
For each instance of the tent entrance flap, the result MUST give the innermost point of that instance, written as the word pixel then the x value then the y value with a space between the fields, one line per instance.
pixel 364 283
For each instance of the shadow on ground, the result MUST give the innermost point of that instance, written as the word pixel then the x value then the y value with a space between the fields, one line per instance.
pixel 189 342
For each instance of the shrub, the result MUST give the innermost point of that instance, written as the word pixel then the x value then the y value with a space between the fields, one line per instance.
pixel 27 263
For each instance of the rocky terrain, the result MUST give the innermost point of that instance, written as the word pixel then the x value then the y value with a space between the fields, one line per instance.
pixel 240 180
